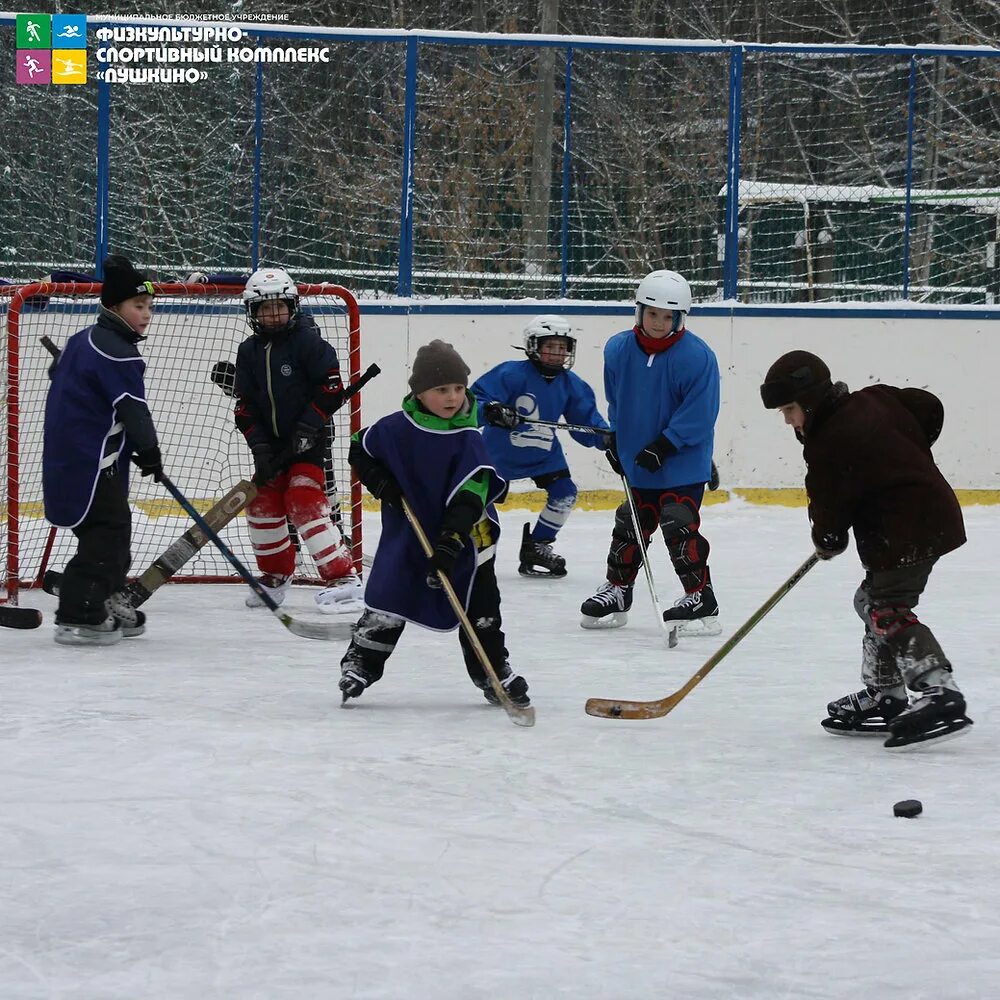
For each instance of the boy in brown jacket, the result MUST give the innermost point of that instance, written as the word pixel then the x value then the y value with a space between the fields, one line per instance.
pixel 869 467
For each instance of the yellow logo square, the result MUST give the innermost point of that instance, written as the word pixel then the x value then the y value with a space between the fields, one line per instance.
pixel 69 65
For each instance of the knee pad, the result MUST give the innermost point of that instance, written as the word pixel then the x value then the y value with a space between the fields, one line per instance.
pixel 888 623
pixel 678 519
pixel 861 599
pixel 377 633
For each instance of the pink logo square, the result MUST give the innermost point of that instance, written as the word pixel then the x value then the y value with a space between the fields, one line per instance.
pixel 34 65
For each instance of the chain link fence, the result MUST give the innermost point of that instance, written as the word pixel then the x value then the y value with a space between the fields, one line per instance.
pixel 427 164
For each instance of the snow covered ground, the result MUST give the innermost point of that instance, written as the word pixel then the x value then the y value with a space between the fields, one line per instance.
pixel 191 814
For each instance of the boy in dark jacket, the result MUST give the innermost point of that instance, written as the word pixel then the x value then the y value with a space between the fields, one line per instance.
pixel 287 385
pixel 869 467
pixel 96 417
pixel 432 453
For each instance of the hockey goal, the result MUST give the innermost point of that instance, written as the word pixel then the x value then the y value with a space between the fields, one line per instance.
pixel 194 328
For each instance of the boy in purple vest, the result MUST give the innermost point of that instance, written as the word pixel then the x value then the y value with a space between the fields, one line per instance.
pixel 96 418
pixel 432 453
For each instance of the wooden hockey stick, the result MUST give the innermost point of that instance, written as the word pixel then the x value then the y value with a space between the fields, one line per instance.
pixel 520 715
pixel 12 616
pixel 606 708
pixel 669 634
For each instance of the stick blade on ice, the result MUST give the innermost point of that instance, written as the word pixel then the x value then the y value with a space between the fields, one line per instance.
pixel 12 617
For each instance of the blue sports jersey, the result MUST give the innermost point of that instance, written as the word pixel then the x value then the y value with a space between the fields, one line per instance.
pixel 531 450
pixel 674 393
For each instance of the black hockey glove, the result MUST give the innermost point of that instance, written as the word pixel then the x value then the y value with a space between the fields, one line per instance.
pixel 150 463
pixel 611 454
pixel 304 436
pixel 263 464
pixel 382 485
pixel 500 415
pixel 830 544
pixel 446 552
pixel 713 479
pixel 652 457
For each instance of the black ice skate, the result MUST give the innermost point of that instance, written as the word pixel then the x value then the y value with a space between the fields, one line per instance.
pixel 355 677
pixel 130 620
pixel 937 714
pixel 608 608
pixel 515 686
pixel 538 559
pixel 696 613
pixel 865 713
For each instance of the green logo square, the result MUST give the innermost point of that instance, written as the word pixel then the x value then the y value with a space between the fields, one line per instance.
pixel 34 31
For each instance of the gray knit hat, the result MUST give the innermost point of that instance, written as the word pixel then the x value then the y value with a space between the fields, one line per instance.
pixel 437 363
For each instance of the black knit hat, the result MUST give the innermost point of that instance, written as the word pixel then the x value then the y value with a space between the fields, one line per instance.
pixel 437 363
pixel 796 377
pixel 122 281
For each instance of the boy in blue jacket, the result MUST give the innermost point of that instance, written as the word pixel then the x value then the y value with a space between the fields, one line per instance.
pixel 542 387
pixel 96 417
pixel 431 452
pixel 662 387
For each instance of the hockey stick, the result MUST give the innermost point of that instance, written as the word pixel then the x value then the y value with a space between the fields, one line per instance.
pixel 560 426
pixel 12 616
pixel 670 634
pixel 306 630
pixel 587 429
pixel 606 708
pixel 520 715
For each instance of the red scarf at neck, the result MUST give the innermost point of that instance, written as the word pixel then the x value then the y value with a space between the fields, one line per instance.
pixel 652 345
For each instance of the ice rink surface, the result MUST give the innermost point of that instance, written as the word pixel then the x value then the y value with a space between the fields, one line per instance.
pixel 191 815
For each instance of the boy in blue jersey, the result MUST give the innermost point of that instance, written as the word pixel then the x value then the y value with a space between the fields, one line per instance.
pixel 431 452
pixel 543 387
pixel 96 417
pixel 662 386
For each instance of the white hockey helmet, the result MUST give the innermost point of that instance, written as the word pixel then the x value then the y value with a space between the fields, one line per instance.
pixel 549 325
pixel 269 284
pixel 665 290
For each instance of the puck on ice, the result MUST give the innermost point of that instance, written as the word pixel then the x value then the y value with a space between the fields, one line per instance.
pixel 908 808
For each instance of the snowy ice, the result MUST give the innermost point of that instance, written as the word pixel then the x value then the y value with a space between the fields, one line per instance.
pixel 192 815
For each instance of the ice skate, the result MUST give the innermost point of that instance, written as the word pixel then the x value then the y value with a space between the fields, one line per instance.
pixel 130 620
pixel 696 613
pixel 938 713
pixel 515 686
pixel 105 633
pixel 538 559
pixel 867 712
pixel 276 586
pixel 355 677
pixel 608 608
pixel 343 596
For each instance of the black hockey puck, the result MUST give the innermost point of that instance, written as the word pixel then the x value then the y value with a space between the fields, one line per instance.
pixel 908 808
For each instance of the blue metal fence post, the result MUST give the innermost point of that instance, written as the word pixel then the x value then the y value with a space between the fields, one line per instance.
pixel 567 160
pixel 730 279
pixel 101 221
pixel 258 152
pixel 404 284
pixel 911 105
